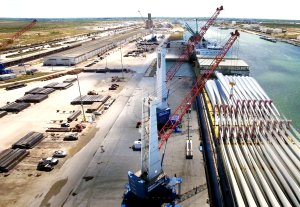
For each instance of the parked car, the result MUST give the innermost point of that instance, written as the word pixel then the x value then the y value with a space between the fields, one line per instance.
pixel 46 164
pixel 137 145
pixel 80 125
pixel 106 106
pixel 92 93
pixel 50 160
pixel 65 125
pixel 138 124
pixel 59 153
pixel 71 137
pixel 44 167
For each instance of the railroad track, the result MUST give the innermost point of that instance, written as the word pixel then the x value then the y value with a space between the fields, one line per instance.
pixel 196 190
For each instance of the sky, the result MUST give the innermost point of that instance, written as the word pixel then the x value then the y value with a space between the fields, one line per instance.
pixel 268 9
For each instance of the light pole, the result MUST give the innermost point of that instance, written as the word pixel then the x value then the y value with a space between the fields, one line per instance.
pixel 106 62
pixel 122 61
pixel 84 119
pixel 189 117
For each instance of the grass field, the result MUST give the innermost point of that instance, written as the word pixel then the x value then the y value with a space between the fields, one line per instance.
pixel 47 30
pixel 281 25
pixel 25 77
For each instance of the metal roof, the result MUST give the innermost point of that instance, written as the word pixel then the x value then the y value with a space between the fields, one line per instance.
pixel 224 62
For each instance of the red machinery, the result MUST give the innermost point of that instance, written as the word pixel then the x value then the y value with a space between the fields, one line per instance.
pixel 18 34
pixel 184 106
pixel 191 45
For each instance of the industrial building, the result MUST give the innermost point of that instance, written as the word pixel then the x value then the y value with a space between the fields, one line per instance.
pixel 149 22
pixel 228 66
pixel 263 29
pixel 90 49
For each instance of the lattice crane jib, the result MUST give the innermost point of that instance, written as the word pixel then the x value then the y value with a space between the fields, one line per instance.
pixel 184 106
pixel 18 34
pixel 191 44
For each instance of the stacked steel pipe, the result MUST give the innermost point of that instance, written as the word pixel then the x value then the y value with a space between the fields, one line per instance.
pixel 29 140
pixel 10 158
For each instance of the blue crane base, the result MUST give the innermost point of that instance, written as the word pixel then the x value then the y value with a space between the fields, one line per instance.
pixel 141 193
pixel 162 115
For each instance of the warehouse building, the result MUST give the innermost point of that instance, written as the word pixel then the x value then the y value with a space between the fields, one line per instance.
pixel 90 49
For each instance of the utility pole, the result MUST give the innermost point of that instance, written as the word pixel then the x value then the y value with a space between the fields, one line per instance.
pixel 122 61
pixel 188 126
pixel 84 119
pixel 22 62
pixel 106 62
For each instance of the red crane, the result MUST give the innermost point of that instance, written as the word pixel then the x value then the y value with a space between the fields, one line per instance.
pixel 185 104
pixel 191 45
pixel 18 34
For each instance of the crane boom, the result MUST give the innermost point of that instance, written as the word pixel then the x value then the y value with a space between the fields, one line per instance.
pixel 191 44
pixel 18 34
pixel 185 104
pixel 207 25
pixel 141 15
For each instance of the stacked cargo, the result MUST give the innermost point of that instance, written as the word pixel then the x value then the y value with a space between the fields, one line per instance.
pixel 2 113
pixel 33 98
pixel 96 105
pixel 40 91
pixel 58 129
pixel 62 86
pixel 15 86
pixel 10 158
pixel 87 99
pixel 70 80
pixel 74 116
pixel 51 85
pixel 29 140
pixel 15 107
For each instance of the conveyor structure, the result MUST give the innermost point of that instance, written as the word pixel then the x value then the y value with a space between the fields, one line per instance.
pixel 260 148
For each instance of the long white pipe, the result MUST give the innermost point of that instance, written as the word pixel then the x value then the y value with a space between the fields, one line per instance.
pixel 283 199
pixel 248 174
pixel 270 195
pixel 249 197
pixel 284 159
pixel 288 151
pixel 288 183
pixel 238 195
